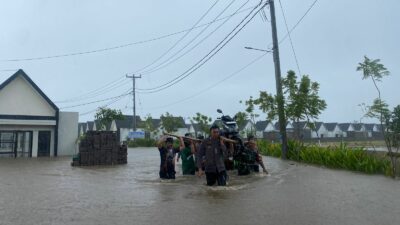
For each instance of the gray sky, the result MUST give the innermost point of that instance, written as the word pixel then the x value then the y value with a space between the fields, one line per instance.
pixel 329 43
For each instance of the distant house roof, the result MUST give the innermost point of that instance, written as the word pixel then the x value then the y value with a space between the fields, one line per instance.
pixel 330 126
pixel 344 126
pixel 21 73
pixel 357 126
pixel 369 126
pixel 90 125
pixel 82 126
pixel 276 125
pixel 261 125
pixel 127 122
pixel 300 125
pixel 244 125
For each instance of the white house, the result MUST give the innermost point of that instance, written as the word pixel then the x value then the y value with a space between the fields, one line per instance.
pixel 346 127
pixel 247 128
pixel 334 130
pixel 263 126
pixel 371 128
pixel 31 125
pixel 319 131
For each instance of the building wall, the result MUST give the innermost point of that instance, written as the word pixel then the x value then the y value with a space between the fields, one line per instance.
pixel 68 133
pixel 20 98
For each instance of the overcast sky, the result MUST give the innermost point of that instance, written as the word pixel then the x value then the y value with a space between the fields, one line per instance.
pixel 329 43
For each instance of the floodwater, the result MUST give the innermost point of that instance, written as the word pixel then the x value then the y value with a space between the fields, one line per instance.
pixel 50 191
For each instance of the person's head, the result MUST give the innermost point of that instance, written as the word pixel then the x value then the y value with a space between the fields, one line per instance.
pixel 251 142
pixel 169 142
pixel 201 137
pixel 214 131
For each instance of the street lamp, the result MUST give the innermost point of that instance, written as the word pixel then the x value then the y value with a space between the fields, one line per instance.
pixel 257 49
pixel 279 94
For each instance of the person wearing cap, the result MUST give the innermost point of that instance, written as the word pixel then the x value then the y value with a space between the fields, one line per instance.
pixel 252 145
pixel 213 149
pixel 167 157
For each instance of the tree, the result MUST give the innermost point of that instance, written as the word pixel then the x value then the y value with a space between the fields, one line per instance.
pixel 170 123
pixel 148 124
pixel 376 71
pixel 379 109
pixel 251 113
pixel 302 101
pixel 106 115
pixel 241 118
pixel 203 122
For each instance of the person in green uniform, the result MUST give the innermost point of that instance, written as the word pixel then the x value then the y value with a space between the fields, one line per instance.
pixel 187 156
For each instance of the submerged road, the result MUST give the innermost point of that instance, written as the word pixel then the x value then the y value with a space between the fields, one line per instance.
pixel 50 191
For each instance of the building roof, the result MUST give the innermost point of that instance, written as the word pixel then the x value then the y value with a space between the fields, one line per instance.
pixel 301 125
pixel 244 125
pixel 370 126
pixel 344 126
pixel 21 73
pixel 357 126
pixel 127 122
pixel 330 126
pixel 90 125
pixel 276 125
pixel 261 125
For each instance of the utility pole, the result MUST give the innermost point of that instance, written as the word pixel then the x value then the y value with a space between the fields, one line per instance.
pixel 133 77
pixel 278 80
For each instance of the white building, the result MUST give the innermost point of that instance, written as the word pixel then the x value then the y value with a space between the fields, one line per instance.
pixel 31 125
pixel 334 130
pixel 262 127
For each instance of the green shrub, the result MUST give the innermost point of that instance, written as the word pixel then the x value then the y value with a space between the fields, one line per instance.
pixel 339 157
pixel 142 143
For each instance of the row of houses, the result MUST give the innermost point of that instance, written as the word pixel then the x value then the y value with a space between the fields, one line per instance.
pixel 261 129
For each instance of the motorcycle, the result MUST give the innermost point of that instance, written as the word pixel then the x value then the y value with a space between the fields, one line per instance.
pixel 243 159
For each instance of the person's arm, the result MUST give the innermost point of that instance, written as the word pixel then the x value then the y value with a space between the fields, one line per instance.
pixel 161 142
pixel 260 161
pixel 192 147
pixel 181 144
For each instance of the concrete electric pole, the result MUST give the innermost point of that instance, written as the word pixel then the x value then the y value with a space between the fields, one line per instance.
pixel 278 80
pixel 133 77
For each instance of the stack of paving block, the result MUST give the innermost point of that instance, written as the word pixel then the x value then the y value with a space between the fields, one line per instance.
pixel 100 148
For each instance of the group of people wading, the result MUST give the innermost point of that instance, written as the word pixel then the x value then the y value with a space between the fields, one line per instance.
pixel 212 156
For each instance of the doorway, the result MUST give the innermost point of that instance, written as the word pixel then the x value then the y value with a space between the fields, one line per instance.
pixel 44 143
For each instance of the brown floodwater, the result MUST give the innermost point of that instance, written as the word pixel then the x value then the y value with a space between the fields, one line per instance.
pixel 50 191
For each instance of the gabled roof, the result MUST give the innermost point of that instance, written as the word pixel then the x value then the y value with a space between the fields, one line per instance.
pixel 357 126
pixel 90 125
pixel 261 125
pixel 330 126
pixel 344 126
pixel 301 125
pixel 370 126
pixel 244 125
pixel 276 125
pixel 21 73
pixel 127 122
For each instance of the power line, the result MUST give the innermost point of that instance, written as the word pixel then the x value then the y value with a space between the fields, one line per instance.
pixel 102 100
pixel 213 85
pixel 290 38
pixel 97 92
pixel 179 40
pixel 105 105
pixel 117 46
pixel 211 54
pixel 157 67
pixel 193 47
pixel 299 21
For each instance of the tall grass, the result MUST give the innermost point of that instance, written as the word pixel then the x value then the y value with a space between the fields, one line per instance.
pixel 339 157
